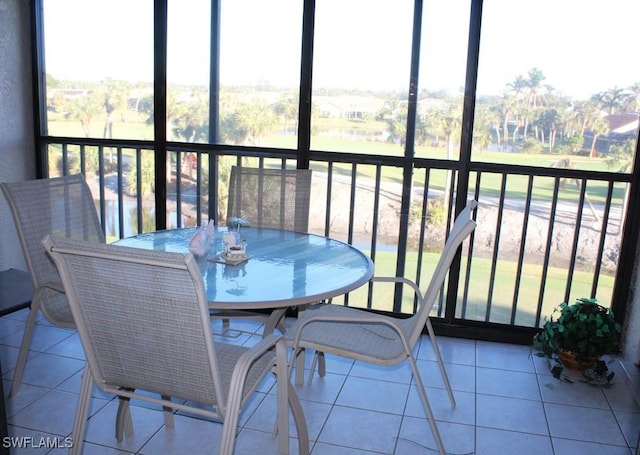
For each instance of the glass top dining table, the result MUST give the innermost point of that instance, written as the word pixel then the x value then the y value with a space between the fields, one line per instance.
pixel 283 268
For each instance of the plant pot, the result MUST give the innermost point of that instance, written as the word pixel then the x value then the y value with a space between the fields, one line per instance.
pixel 570 361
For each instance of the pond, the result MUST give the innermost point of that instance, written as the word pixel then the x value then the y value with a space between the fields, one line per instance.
pixel 130 219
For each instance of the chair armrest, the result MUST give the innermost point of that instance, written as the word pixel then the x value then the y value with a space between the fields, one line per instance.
pixel 401 280
pixel 241 369
pixel 259 349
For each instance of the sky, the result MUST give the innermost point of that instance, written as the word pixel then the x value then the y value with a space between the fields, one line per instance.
pixel 360 44
pixel 582 49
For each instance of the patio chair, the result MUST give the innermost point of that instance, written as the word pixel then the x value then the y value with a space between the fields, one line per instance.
pixel 380 339
pixel 63 206
pixel 143 320
pixel 270 198
pixel 267 198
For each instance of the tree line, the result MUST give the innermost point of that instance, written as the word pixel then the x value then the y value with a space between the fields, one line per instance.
pixel 529 116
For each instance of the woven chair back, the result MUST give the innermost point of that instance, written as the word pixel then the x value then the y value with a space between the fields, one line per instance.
pixel 270 198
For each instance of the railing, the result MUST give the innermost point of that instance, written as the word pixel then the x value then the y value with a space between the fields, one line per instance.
pixel 544 235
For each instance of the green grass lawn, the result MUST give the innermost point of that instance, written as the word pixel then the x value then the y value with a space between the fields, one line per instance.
pixel 516 186
pixel 503 289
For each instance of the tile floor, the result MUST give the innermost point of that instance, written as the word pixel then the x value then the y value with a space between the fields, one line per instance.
pixel 507 403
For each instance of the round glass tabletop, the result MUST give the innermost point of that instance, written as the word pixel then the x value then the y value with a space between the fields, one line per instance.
pixel 282 268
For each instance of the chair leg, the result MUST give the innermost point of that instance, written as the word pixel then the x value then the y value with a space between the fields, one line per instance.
pixel 82 411
pixel 319 361
pixel 124 422
pixel 128 423
pixel 443 371
pixel 274 321
pixel 283 398
pixel 300 421
pixel 299 359
pixel 168 414
pixel 427 406
pixel 312 370
pixel 296 408
pixel 229 427
pixel 292 397
pixel 25 344
pixel 322 366
pixel 235 397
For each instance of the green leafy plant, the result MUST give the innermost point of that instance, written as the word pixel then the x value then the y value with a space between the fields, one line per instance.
pixel 587 330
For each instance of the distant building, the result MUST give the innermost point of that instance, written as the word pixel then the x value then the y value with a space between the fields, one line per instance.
pixel 65 94
pixel 621 127
pixel 348 107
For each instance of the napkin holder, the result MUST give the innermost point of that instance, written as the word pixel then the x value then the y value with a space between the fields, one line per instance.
pixel 232 244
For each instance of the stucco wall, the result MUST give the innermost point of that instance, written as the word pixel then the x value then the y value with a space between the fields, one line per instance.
pixel 16 117
pixel 631 329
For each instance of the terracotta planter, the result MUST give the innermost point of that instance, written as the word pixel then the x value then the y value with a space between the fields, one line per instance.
pixel 569 360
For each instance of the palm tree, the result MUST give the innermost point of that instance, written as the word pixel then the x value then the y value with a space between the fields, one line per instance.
pixel 620 156
pixel 598 126
pixel 534 98
pixel 631 102
pixel 504 108
pixel 115 100
pixel 491 116
pixel 147 177
pixel 518 87
pixel 585 111
pixel 534 80
pixel 450 122
pixel 610 100
pixel 398 130
pixel 564 120
pixel 287 108
pixel 519 122
pixel 189 119
pixel 254 119
pixel 549 121
pixel 432 123
pixel 85 108
pixel 482 128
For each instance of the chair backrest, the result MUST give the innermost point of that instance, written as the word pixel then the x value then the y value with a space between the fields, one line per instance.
pixel 142 317
pixel 62 206
pixel 272 198
pixel 463 226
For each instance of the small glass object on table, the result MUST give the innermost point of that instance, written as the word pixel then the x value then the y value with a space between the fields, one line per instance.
pixel 234 249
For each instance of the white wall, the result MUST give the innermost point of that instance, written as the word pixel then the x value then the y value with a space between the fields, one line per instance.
pixel 16 117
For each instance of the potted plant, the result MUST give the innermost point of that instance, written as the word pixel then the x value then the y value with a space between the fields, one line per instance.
pixel 577 338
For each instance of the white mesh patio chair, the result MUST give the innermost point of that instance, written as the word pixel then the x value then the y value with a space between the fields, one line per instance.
pixel 270 198
pixel 143 320
pixel 267 198
pixel 380 339
pixel 63 206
